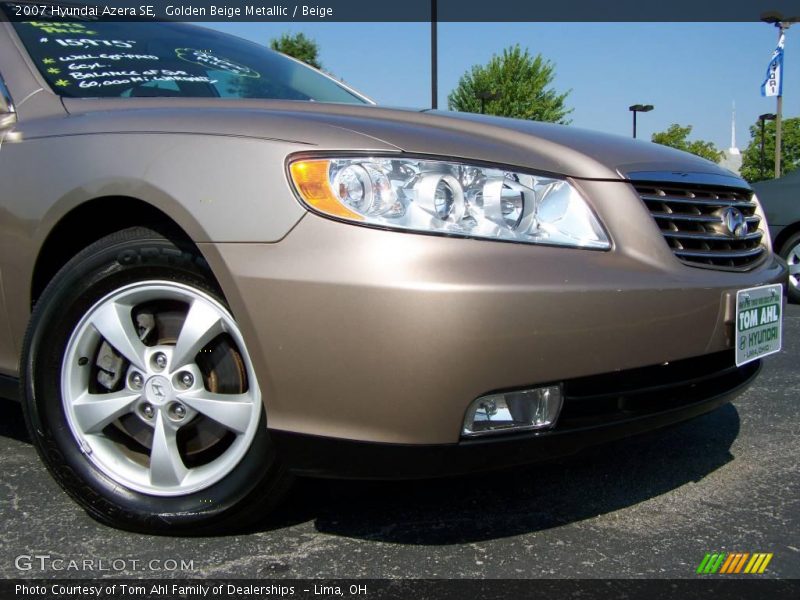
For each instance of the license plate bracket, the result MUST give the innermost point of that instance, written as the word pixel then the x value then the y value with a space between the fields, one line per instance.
pixel 759 322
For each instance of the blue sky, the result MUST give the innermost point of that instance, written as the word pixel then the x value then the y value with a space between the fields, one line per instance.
pixel 691 72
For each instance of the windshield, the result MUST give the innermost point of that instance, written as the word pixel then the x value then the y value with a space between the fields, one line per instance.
pixel 102 59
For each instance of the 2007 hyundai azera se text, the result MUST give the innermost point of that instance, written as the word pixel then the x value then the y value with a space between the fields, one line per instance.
pixel 222 268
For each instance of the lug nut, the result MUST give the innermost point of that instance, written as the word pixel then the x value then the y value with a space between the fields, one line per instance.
pixel 148 411
pixel 137 381
pixel 161 360
pixel 186 379
pixel 178 411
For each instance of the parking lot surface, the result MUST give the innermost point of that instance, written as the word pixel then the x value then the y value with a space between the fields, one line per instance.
pixel 650 506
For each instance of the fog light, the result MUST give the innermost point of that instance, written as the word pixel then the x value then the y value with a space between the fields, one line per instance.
pixel 518 411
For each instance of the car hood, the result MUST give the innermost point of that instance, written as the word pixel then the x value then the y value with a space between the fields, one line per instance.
pixel 546 147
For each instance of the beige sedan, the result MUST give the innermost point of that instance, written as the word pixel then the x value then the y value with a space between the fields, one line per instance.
pixel 220 268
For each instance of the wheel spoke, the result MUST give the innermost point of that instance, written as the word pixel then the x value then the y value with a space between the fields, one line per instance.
pixel 166 464
pixel 233 411
pixel 794 269
pixel 203 323
pixel 94 411
pixel 113 321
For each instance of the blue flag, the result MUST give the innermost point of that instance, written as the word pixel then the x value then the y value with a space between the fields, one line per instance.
pixel 773 83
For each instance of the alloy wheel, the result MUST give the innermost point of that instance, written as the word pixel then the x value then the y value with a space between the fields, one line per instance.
pixel 158 388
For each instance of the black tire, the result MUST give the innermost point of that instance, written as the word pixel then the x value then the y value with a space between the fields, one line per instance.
pixel 792 248
pixel 240 499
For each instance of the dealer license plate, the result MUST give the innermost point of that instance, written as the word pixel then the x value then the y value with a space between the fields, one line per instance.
pixel 759 314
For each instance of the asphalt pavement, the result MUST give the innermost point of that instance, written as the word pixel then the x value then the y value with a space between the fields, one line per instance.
pixel 650 506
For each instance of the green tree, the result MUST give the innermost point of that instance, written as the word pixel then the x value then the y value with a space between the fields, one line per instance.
pixel 677 137
pixel 298 46
pixel 514 84
pixel 790 150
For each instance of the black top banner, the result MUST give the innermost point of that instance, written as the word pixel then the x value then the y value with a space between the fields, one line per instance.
pixel 410 10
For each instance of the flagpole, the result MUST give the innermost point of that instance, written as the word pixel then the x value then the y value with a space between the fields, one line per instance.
pixel 774 80
pixel 779 111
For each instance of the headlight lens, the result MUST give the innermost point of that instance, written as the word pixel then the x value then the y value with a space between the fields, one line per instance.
pixel 449 198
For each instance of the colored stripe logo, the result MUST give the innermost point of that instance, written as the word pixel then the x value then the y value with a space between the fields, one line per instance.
pixel 732 563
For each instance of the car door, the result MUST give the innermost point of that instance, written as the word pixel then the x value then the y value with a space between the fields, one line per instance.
pixel 24 100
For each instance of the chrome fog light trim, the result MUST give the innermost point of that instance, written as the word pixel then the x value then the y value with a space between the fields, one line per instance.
pixel 524 410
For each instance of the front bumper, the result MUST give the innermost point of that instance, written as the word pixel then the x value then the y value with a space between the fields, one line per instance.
pixel 597 410
pixel 374 336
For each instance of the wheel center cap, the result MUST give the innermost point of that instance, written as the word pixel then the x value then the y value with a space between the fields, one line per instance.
pixel 158 390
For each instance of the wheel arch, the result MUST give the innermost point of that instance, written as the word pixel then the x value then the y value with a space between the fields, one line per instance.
pixel 90 221
pixel 784 235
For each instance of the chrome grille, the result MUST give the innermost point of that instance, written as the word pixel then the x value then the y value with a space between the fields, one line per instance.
pixel 696 223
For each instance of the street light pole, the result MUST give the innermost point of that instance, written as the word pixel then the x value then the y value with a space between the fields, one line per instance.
pixel 639 108
pixel 483 96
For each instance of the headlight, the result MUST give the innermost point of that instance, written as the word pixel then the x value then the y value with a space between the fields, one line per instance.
pixel 449 198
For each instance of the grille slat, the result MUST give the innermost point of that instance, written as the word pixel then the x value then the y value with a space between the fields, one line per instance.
pixel 694 221
pixel 693 235
pixel 697 201
pixel 719 253
pixel 681 217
